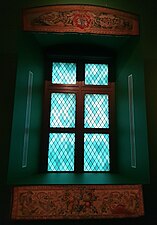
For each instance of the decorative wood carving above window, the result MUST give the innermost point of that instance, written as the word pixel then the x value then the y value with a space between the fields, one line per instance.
pixel 80 19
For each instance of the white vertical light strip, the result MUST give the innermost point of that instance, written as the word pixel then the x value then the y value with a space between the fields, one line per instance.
pixel 27 120
pixel 132 121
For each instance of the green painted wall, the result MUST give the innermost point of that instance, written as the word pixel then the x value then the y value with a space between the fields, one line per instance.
pixel 130 61
pixel 30 59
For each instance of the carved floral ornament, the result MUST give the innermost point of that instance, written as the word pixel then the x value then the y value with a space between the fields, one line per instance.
pixel 77 202
pixel 80 19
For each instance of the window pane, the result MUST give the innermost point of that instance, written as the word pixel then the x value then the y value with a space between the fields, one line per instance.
pixel 96 74
pixel 62 112
pixel 96 112
pixel 61 152
pixel 63 73
pixel 96 152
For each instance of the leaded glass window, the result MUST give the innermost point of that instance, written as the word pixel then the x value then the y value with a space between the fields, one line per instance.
pixel 96 114
pixel 96 152
pixel 79 96
pixel 63 73
pixel 96 74
pixel 61 152
pixel 63 106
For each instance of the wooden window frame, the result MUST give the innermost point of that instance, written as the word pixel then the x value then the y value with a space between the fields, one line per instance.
pixel 80 89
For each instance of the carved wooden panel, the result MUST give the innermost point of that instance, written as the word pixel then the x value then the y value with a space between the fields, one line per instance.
pixel 80 19
pixel 77 202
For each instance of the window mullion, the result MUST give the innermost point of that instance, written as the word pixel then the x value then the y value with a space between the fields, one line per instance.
pixel 79 145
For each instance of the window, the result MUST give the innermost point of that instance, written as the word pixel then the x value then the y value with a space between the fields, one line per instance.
pixel 78 117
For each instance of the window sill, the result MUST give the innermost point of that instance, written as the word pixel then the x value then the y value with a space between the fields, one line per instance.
pixel 86 178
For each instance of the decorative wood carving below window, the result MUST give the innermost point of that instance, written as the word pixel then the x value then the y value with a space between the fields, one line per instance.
pixel 80 19
pixel 77 202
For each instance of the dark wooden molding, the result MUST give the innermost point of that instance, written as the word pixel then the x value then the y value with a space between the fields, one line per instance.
pixel 80 19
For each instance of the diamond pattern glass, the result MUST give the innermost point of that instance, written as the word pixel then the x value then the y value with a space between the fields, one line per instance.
pixel 96 152
pixel 63 107
pixel 96 111
pixel 96 74
pixel 63 73
pixel 61 152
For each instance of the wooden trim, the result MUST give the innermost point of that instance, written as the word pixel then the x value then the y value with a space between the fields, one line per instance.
pixel 80 19
pixel 45 129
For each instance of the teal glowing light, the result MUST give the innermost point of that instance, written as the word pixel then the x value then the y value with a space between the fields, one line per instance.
pixel 96 74
pixel 61 152
pixel 61 149
pixel 63 107
pixel 96 113
pixel 63 73
pixel 96 152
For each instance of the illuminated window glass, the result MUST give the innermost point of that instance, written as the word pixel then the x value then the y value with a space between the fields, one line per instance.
pixel 79 126
pixel 61 152
pixel 96 74
pixel 63 73
pixel 63 108
pixel 96 152
pixel 96 113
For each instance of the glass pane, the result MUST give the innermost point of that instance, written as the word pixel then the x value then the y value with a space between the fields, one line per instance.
pixel 96 74
pixel 96 152
pixel 96 112
pixel 62 112
pixel 63 73
pixel 61 152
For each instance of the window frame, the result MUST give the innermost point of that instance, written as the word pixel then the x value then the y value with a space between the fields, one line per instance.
pixel 76 88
